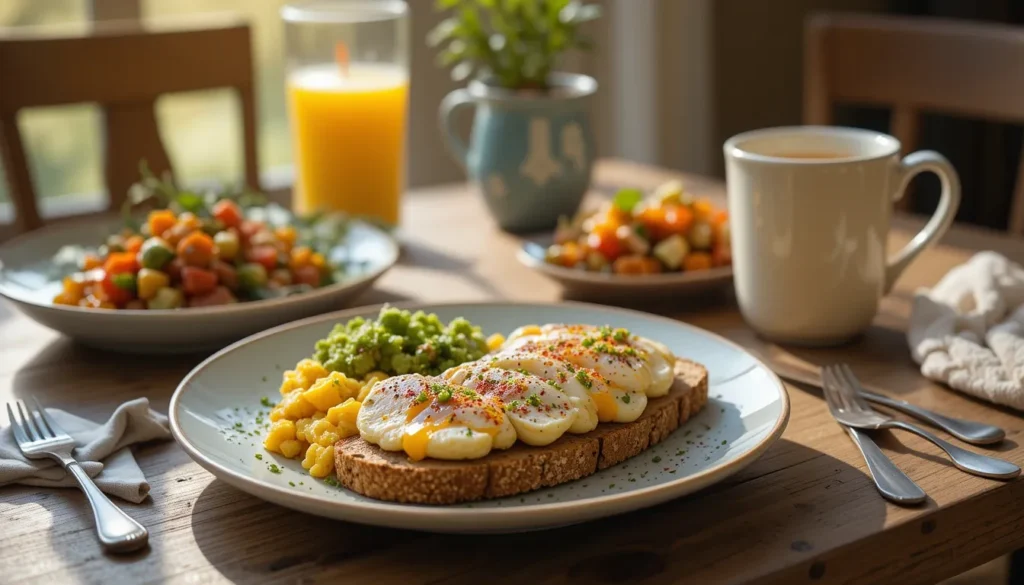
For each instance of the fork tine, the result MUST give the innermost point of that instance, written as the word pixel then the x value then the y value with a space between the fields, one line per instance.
pixel 28 425
pixel 853 388
pixel 16 426
pixel 44 429
pixel 828 386
pixel 45 418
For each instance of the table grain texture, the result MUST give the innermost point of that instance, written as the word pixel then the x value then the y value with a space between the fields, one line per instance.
pixel 805 512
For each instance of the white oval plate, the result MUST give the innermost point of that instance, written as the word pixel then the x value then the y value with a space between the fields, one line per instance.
pixel 30 277
pixel 596 285
pixel 746 412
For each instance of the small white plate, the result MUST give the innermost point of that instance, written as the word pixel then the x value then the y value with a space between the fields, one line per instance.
pixel 597 285
pixel 30 277
pixel 213 410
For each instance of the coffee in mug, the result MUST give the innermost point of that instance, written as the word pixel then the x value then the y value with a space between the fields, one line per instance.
pixel 809 210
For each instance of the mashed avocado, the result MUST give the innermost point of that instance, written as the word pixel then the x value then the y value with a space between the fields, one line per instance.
pixel 400 342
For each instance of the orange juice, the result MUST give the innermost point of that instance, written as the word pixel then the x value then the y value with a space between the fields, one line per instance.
pixel 348 132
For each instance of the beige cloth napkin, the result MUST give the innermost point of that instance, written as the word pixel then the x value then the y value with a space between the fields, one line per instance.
pixel 968 331
pixel 103 450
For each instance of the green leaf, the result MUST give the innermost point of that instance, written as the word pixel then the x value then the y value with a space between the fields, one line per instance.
pixel 190 201
pixel 627 199
pixel 445 4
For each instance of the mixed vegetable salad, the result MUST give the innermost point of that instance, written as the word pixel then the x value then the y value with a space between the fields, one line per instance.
pixel 667 231
pixel 195 250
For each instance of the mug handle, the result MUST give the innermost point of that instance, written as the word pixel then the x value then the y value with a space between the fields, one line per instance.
pixel 452 102
pixel 949 201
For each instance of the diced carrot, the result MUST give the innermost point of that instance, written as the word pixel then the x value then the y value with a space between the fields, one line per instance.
pixel 133 244
pixel 74 288
pixel 697 261
pixel 91 261
pixel 197 281
pixel 196 249
pixel 160 221
pixel 227 212
pixel 120 262
pixel 299 257
pixel 703 209
pixel 636 265
pixel 286 236
pixel 678 220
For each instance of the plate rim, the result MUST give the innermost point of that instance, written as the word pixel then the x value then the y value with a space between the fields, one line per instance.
pixel 577 276
pixel 422 512
pixel 390 260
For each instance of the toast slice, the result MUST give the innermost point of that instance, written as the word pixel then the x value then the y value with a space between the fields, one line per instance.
pixel 385 475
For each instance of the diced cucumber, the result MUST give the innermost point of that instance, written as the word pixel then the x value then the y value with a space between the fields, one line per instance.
pixel 252 276
pixel 155 253
pixel 671 251
pixel 167 298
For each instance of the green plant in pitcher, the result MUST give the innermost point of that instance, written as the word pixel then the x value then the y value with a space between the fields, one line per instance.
pixel 514 44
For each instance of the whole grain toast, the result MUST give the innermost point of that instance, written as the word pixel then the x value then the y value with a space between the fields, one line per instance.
pixel 384 475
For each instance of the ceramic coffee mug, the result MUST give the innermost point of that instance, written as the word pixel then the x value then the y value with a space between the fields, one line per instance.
pixel 809 212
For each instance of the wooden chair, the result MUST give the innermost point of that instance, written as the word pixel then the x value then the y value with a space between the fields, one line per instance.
pixel 913 65
pixel 124 67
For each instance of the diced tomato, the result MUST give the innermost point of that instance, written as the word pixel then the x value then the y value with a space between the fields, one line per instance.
pixel 173 269
pixel 248 229
pixel 227 212
pixel 226 274
pixel 197 281
pixel 118 262
pixel 721 256
pixel 265 255
pixel 112 292
pixel 196 249
pixel 308 275
pixel 607 244
pixel 133 244
pixel 219 296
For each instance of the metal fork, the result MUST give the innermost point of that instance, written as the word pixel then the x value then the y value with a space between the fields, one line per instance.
pixel 852 410
pixel 39 437
pixel 889 479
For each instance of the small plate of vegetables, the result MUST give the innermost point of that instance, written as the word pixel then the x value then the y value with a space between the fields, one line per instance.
pixel 183 271
pixel 638 244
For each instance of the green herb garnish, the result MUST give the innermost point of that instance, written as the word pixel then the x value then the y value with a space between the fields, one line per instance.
pixel 274 468
pixel 259 456
pixel 553 384
pixel 625 398
pixel 584 379
pixel 266 401
pixel 533 400
pixel 422 397
pixel 657 459
pixel 514 405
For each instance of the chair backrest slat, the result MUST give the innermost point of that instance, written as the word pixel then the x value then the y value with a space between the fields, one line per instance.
pixel 124 67
pixel 913 65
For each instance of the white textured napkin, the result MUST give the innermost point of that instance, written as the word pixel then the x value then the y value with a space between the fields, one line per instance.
pixel 118 474
pixel 968 331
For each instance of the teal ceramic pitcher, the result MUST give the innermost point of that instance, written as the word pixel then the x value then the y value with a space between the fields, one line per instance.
pixel 530 153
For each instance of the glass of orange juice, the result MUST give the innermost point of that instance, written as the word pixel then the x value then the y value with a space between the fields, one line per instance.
pixel 347 83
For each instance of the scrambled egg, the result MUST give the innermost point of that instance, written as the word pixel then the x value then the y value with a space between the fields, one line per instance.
pixel 317 409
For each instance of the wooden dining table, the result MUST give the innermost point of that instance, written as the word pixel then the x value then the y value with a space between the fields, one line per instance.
pixel 805 512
